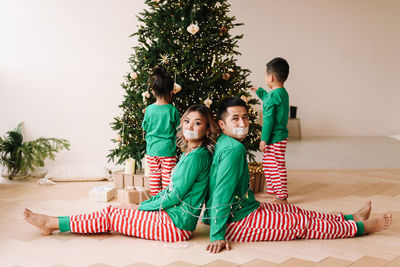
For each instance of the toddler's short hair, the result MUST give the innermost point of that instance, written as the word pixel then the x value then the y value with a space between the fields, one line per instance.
pixel 278 67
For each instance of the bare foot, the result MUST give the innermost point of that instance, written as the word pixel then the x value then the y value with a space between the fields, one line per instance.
pixel 280 201
pixel 363 214
pixel 42 222
pixel 270 195
pixel 380 223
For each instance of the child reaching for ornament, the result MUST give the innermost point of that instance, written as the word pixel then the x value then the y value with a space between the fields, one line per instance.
pixel 274 129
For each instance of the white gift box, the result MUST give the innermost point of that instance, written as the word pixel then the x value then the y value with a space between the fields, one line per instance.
pixel 102 193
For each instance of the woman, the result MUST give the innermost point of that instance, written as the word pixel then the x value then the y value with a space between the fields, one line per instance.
pixel 173 213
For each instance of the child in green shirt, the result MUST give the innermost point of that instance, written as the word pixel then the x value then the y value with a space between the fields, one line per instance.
pixel 274 129
pixel 160 122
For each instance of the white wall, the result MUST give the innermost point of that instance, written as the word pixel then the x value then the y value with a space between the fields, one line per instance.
pixel 344 57
pixel 62 62
pixel 61 66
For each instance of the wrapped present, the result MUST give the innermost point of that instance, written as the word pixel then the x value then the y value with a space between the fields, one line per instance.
pixel 102 193
pixel 122 180
pixel 257 178
pixel 146 182
pixel 133 195
pixel 118 178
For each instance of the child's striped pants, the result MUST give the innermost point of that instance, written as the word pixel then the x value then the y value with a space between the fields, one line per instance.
pixel 273 222
pixel 160 172
pixel 155 225
pixel 275 169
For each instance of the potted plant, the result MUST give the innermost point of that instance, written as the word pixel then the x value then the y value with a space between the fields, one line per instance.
pixel 19 157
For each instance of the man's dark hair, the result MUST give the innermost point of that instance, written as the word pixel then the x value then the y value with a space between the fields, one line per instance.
pixel 161 82
pixel 231 101
pixel 279 68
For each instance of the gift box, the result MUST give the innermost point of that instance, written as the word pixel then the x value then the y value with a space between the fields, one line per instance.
pixel 133 195
pixel 103 193
pixel 257 178
pixel 122 180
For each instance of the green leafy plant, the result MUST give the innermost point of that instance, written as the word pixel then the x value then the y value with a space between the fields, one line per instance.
pixel 19 156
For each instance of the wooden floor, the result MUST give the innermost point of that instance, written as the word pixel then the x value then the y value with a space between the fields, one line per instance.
pixel 323 190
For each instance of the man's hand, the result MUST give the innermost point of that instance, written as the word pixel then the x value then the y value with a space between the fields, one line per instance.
pixel 262 145
pixel 218 246
pixel 254 89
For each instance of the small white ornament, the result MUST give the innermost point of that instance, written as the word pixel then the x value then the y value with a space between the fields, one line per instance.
pixel 193 29
pixel 208 102
pixel 213 61
pixel 177 88
pixel 133 75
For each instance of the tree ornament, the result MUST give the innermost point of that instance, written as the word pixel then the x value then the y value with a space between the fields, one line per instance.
pixel 145 95
pixel 164 59
pixel 193 29
pixel 177 88
pixel 119 139
pixel 213 61
pixel 156 1
pixel 245 98
pixel 223 30
pixel 133 75
pixel 208 102
pixel 226 76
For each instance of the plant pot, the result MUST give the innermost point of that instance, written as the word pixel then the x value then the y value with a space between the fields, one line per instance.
pixel 6 173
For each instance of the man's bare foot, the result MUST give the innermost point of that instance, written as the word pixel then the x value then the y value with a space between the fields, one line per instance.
pixel 280 201
pixel 43 222
pixel 270 195
pixel 380 223
pixel 363 214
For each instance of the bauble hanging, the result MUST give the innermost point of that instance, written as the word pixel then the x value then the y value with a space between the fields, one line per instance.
pixel 208 102
pixel 193 29
pixel 177 88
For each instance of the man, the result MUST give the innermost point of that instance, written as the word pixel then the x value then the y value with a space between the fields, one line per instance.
pixel 233 213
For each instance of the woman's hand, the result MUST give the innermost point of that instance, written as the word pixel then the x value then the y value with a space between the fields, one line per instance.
pixel 218 246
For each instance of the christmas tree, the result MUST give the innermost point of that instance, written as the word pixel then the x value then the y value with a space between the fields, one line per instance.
pixel 192 40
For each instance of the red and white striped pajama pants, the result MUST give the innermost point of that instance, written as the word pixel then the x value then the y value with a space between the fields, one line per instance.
pixel 275 169
pixel 160 172
pixel 153 225
pixel 276 222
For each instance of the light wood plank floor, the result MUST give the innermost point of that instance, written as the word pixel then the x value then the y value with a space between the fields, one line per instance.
pixel 323 190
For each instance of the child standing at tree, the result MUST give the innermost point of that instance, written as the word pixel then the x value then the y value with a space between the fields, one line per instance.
pixel 160 122
pixel 274 129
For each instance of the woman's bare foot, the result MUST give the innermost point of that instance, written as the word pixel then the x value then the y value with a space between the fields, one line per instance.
pixel 380 223
pixel 280 201
pixel 44 223
pixel 363 214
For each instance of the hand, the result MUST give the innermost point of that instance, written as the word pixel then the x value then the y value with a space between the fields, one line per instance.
pixel 254 89
pixel 218 246
pixel 262 145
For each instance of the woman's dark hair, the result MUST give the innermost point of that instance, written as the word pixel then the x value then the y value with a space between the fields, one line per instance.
pixel 161 82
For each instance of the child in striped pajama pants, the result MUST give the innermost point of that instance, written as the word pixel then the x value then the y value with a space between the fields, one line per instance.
pixel 169 216
pixel 274 129
pixel 160 122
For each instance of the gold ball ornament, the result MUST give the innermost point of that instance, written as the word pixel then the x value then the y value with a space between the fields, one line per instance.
pixel 133 75
pixel 226 76
pixel 193 29
pixel 223 30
